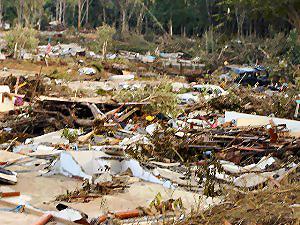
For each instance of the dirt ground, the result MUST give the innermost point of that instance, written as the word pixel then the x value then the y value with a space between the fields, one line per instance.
pixel 40 192
pixel 10 218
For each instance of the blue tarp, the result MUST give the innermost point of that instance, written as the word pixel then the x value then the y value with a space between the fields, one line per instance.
pixel 246 69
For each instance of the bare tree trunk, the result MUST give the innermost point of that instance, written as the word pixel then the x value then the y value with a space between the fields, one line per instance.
pixel 21 12
pixel 104 49
pixel 57 10
pixel 130 14
pixel 87 11
pixel 1 13
pixel 84 16
pixel 64 12
pixel 240 19
pixel 60 11
pixel 79 14
pixel 140 19
pixel 171 27
pixel 146 24
pixel 104 14
pixel 40 10
pixel 73 13
pixel 123 7
pixel 123 20
pixel 294 18
pixel 208 12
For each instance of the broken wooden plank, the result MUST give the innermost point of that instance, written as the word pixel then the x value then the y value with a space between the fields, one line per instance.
pixel 125 116
pixel 96 100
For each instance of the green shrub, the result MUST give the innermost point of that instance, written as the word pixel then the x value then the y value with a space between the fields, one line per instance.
pixel 160 98
pixel 98 66
pixel 25 38
pixel 72 136
pixel 104 38
pixel 294 47
pixel 133 43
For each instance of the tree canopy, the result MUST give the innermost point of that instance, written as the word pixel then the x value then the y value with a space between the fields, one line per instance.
pixel 172 17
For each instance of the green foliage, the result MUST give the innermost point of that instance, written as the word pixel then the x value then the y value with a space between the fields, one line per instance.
pixel 158 204
pixel 207 173
pixel 25 38
pixel 102 92
pixel 191 17
pixel 160 98
pixel 294 47
pixel 156 201
pixel 98 66
pixel 134 43
pixel 104 35
pixel 72 136
pixel 60 75
pixel 150 36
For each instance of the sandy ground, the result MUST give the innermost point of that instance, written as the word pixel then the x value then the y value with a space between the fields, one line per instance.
pixel 16 73
pixel 41 191
pixel 139 194
pixel 9 218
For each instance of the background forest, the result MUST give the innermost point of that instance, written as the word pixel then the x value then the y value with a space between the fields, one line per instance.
pixel 173 17
pixel 215 31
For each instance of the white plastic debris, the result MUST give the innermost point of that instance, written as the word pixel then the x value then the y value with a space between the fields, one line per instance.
pixel 151 128
pixel 121 78
pixel 259 167
pixel 54 138
pixel 67 166
pixel 177 86
pixel 139 172
pixel 244 120
pixel 85 164
pixel 210 91
pixel 6 102
pixel 252 179
pixel 180 134
pixel 87 71
pixel 2 56
pixel 67 214
pixel 190 97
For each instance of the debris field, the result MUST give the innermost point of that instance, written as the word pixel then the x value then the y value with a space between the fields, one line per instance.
pixel 141 139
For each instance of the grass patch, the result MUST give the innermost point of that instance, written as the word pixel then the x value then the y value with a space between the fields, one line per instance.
pixel 60 75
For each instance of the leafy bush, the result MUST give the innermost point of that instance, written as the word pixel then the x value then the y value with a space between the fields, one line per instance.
pixel 98 66
pixel 294 47
pixel 160 98
pixel 71 135
pixel 25 38
pixel 104 38
pixel 134 43
pixel 150 36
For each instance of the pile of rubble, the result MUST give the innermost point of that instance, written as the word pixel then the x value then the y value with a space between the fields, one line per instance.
pixel 142 150
pixel 112 146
